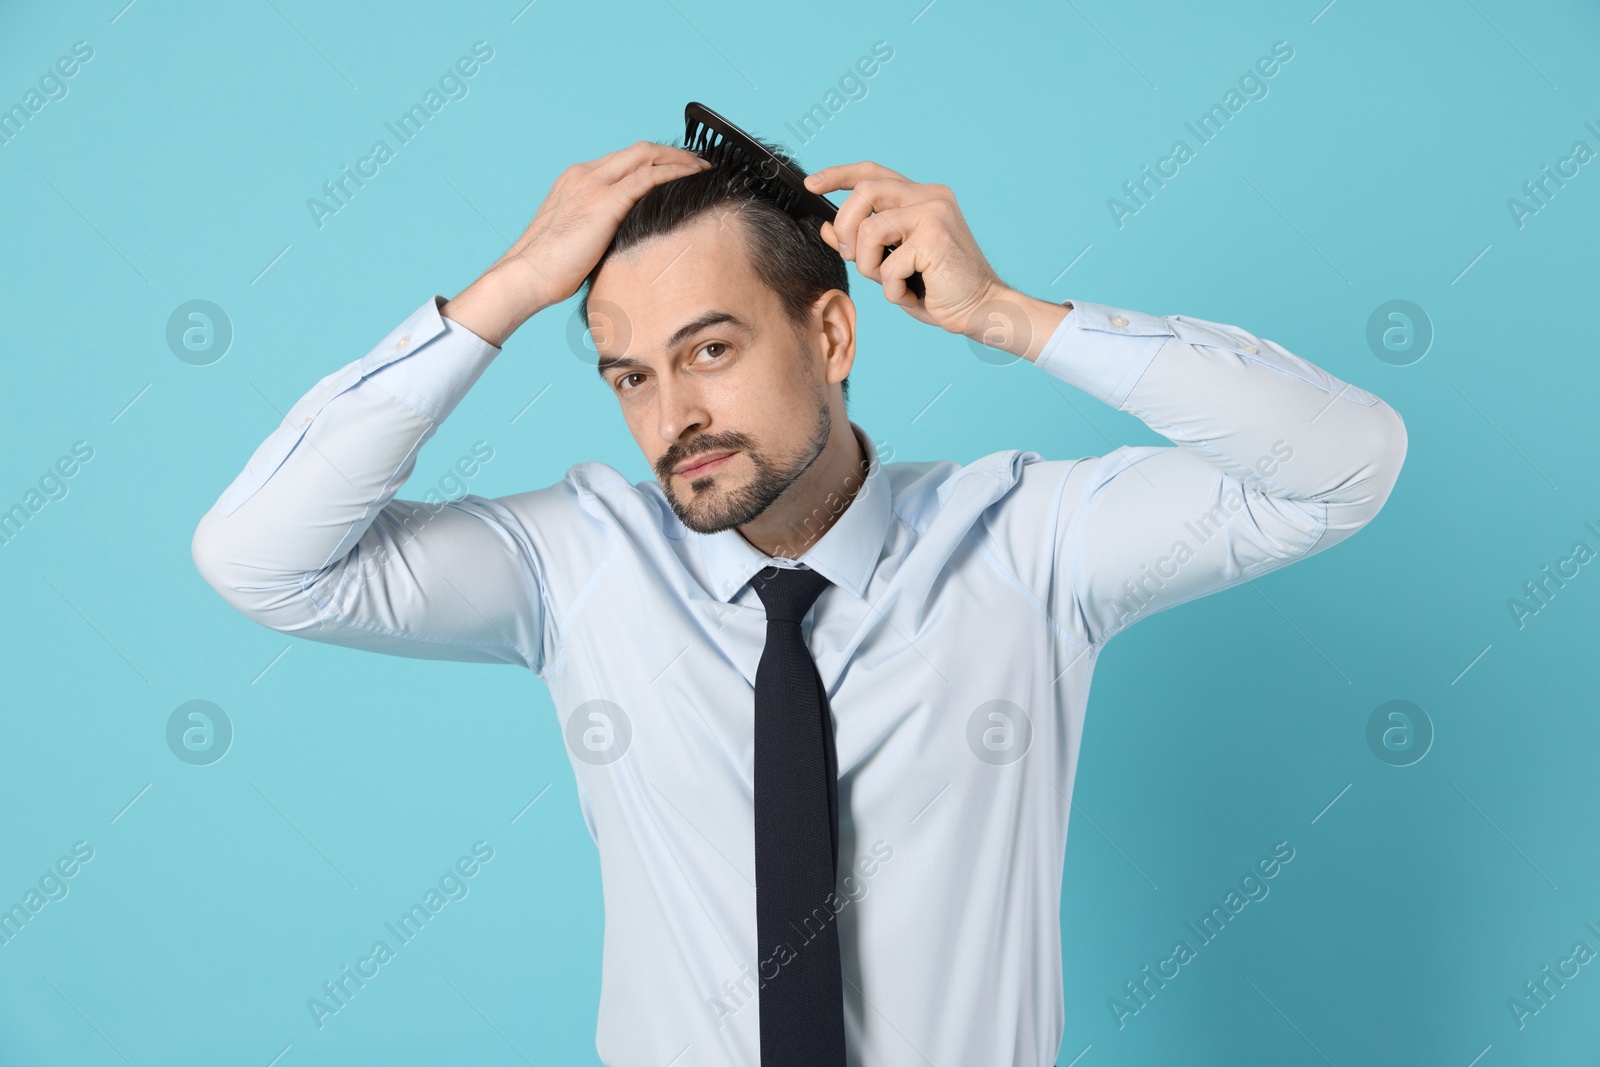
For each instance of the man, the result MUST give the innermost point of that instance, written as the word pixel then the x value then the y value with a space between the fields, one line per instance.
pixel 823 711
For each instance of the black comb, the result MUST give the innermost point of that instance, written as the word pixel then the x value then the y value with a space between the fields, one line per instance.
pixel 708 134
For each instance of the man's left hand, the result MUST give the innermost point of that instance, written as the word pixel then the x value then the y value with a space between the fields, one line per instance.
pixel 885 208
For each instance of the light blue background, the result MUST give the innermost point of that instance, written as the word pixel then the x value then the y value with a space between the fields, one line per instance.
pixel 1377 168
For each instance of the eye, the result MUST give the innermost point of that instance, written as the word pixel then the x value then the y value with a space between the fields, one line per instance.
pixel 621 378
pixel 712 344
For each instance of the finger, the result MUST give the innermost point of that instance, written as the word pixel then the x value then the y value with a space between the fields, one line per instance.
pixel 618 164
pixel 873 194
pixel 891 227
pixel 845 175
pixel 829 237
pixel 901 264
pixel 613 165
pixel 656 173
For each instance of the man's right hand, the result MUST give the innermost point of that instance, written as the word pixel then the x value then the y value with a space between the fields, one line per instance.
pixel 570 232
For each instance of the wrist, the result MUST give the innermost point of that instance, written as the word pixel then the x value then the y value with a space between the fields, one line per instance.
pixel 495 305
pixel 1015 322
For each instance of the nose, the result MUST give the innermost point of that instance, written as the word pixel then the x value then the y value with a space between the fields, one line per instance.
pixel 680 411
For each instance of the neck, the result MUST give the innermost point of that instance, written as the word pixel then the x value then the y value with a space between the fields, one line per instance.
pixel 798 519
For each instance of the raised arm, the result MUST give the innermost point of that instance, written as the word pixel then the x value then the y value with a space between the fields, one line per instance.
pixel 1275 460
pixel 310 540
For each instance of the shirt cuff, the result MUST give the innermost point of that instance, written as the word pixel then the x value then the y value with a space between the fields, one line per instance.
pixel 1103 350
pixel 428 362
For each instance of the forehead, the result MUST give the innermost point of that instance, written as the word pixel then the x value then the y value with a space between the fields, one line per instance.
pixel 657 286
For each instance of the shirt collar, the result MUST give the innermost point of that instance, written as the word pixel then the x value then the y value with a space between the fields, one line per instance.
pixel 846 555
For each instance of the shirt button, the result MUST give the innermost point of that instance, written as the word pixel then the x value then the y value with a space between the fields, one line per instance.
pixel 1118 320
pixel 1251 349
pixel 402 342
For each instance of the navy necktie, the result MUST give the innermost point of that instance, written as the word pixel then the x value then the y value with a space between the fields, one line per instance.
pixel 797 836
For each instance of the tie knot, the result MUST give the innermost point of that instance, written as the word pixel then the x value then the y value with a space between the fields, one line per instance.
pixel 788 592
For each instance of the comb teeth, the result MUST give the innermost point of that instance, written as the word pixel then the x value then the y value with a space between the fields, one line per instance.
pixel 721 151
pixel 722 142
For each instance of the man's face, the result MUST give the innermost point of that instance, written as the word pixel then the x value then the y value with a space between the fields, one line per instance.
pixel 705 364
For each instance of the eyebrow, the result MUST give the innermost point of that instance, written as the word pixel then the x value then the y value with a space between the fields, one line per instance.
pixel 680 335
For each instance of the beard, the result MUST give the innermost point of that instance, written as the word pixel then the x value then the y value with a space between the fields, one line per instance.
pixel 713 510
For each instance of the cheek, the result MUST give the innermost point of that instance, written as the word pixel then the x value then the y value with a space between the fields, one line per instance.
pixel 651 446
pixel 769 400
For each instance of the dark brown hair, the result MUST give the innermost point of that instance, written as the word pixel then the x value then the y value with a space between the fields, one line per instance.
pixel 787 254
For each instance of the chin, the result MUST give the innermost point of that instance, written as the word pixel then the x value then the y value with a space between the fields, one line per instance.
pixel 716 508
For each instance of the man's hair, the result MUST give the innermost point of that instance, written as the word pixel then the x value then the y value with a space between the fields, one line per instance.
pixel 787 254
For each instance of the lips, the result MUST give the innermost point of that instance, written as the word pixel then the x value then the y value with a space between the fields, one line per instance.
pixel 703 464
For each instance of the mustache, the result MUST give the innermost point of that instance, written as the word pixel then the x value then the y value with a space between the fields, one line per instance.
pixel 700 446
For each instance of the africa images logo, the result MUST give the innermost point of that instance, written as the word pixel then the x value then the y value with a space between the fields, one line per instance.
pixel 1253 887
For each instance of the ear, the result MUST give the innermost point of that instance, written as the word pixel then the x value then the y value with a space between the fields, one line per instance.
pixel 834 319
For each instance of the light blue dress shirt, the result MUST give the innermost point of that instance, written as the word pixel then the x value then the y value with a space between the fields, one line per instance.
pixel 967 608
